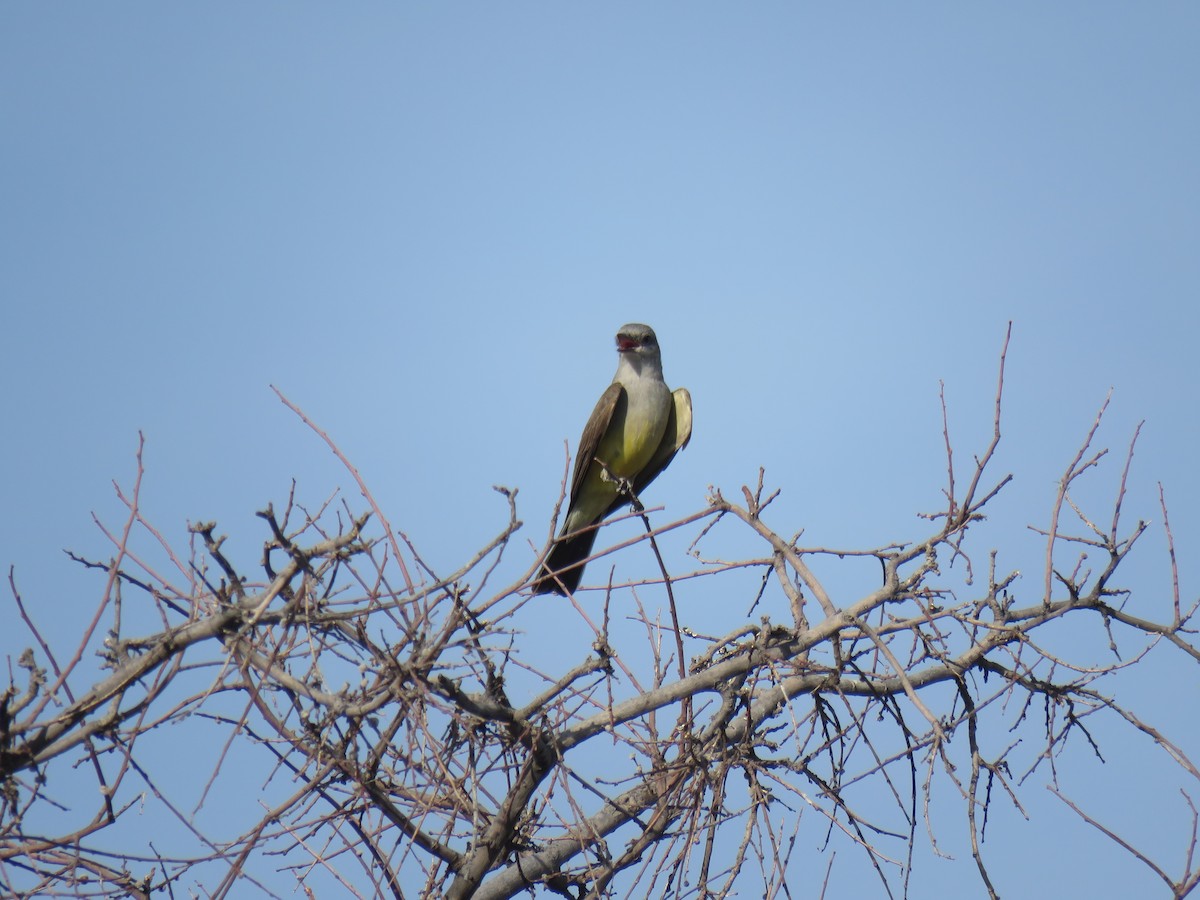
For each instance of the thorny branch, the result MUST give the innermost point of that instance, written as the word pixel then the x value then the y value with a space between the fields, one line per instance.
pixel 413 736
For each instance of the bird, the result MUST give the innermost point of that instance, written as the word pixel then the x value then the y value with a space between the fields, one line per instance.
pixel 637 427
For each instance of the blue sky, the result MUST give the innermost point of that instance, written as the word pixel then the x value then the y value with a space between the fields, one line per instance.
pixel 424 223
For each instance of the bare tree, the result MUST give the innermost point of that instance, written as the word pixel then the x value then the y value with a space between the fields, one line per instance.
pixel 402 735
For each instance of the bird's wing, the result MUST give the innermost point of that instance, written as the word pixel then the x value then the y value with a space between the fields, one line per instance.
pixel 593 431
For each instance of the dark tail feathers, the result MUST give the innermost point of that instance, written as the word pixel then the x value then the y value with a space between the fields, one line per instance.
pixel 563 568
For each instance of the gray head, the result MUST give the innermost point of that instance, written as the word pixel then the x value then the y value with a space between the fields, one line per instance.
pixel 637 339
pixel 638 347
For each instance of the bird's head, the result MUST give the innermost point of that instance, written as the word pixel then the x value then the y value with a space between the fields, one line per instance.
pixel 637 339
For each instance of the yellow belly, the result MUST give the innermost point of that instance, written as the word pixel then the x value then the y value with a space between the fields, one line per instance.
pixel 631 439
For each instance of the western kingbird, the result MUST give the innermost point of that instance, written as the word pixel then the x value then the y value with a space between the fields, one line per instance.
pixel 635 430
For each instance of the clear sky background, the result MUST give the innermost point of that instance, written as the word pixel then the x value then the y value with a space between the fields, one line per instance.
pixel 425 222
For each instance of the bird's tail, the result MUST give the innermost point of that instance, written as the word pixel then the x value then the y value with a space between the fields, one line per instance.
pixel 563 568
